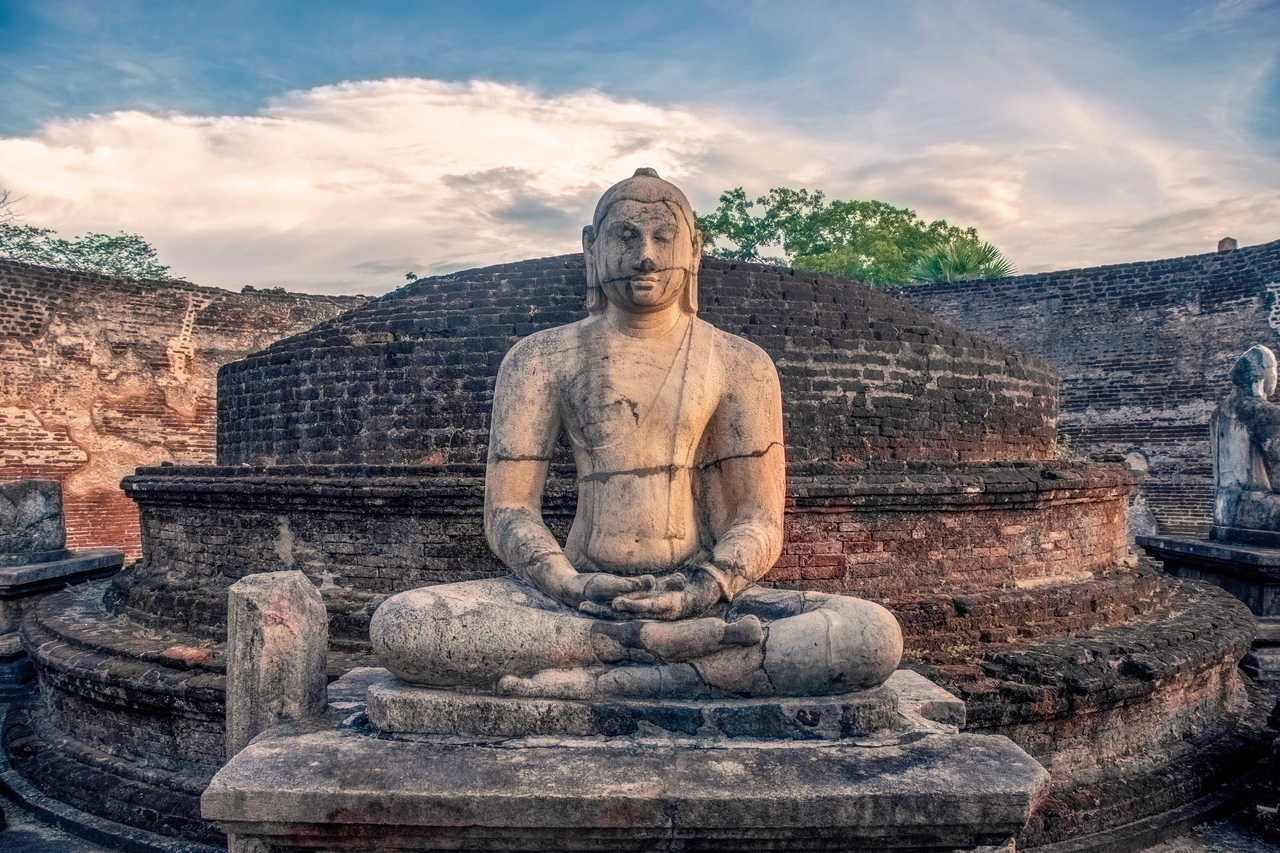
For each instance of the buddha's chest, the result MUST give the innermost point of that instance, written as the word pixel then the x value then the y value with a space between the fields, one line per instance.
pixel 637 403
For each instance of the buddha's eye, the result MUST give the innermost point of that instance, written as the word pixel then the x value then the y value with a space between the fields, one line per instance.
pixel 664 236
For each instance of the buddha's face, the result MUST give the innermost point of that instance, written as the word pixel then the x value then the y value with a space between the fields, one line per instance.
pixel 644 255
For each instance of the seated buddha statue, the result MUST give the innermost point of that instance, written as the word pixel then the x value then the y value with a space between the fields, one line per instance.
pixel 1244 433
pixel 676 433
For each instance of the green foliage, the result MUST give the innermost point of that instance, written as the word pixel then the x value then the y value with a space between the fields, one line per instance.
pixel 961 261
pixel 125 255
pixel 871 241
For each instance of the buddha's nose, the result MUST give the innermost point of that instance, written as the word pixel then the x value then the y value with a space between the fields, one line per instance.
pixel 647 263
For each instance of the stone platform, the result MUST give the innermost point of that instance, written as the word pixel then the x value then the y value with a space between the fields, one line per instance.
pixel 1250 572
pixel 22 582
pixel 338 784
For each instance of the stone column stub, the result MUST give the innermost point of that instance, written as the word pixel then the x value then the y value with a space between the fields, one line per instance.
pixel 277 644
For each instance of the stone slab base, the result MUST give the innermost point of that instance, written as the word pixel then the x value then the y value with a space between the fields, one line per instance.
pixel 336 785
pixel 1249 572
pixel 397 707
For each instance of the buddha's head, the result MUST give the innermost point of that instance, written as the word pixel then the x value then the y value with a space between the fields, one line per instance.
pixel 1255 372
pixel 642 249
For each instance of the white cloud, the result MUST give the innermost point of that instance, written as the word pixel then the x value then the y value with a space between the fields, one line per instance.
pixel 345 187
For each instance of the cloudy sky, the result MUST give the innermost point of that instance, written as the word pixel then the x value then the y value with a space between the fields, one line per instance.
pixel 331 148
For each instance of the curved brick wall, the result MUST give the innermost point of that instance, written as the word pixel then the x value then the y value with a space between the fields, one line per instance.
pixel 911 535
pixel 409 378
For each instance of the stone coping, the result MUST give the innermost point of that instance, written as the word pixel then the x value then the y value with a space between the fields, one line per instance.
pixel 20 580
pixel 1245 536
pixel 1257 560
pixel 309 785
pixel 34 557
pixel 906 699
pixel 459 489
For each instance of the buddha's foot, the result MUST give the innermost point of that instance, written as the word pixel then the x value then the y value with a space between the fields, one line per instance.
pixel 683 640
pixel 678 680
pixel 577 683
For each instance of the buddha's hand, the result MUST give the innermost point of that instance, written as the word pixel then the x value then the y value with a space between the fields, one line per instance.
pixel 674 596
pixel 582 590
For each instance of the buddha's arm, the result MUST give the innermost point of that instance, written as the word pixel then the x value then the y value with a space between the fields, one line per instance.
pixel 743 472
pixel 522 434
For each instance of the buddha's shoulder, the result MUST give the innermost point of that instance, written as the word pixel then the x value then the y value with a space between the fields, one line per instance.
pixel 549 344
pixel 739 355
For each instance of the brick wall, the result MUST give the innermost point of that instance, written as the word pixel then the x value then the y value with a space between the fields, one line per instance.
pixel 1144 349
pixel 1014 539
pixel 100 375
pixel 409 378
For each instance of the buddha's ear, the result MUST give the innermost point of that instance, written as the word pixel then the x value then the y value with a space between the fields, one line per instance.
pixel 697 248
pixel 588 238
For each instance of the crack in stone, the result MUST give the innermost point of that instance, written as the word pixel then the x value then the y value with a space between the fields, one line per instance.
pixel 651 470
pixel 755 454
pixel 604 476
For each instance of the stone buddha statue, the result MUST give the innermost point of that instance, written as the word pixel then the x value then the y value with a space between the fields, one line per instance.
pixel 1244 433
pixel 676 432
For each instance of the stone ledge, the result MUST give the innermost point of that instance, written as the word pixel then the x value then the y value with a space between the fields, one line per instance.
pixel 395 707
pixel 21 580
pixel 305 787
pixel 1259 559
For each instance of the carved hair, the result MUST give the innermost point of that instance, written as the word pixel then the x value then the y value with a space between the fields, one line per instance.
pixel 1257 363
pixel 644 186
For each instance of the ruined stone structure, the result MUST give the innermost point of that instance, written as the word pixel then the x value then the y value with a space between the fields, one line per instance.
pixel 1144 349
pixel 923 474
pixel 99 375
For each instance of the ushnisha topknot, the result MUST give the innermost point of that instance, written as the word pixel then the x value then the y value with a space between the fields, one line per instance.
pixel 644 186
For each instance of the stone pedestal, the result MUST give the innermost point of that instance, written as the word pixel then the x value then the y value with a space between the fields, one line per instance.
pixel 33 561
pixel 1250 573
pixel 905 782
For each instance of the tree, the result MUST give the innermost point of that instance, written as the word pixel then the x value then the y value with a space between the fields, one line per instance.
pixel 125 255
pixel 962 261
pixel 871 241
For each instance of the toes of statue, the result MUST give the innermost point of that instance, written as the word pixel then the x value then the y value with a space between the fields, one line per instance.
pixel 746 631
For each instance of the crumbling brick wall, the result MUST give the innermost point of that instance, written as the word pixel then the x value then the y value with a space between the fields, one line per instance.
pixel 100 375
pixel 1145 350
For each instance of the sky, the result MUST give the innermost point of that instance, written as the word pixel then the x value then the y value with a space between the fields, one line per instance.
pixel 331 147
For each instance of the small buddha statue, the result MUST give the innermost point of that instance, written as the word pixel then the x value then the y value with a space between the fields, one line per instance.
pixel 1244 433
pixel 676 432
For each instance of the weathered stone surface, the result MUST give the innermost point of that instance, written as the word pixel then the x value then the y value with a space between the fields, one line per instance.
pixel 397 707
pixel 31 526
pixel 277 642
pixel 919 789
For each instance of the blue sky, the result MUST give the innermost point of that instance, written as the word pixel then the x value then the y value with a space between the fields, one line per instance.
pixel 329 147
